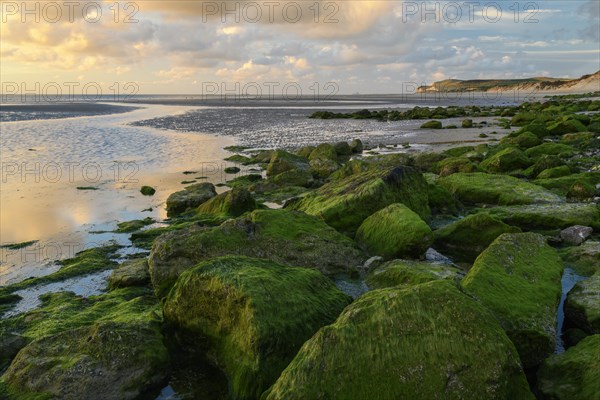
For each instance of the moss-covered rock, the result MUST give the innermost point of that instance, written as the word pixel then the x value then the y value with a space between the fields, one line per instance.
pixel 147 190
pixel 507 160
pixel 582 139
pixel 229 204
pixel 427 341
pixel 287 237
pixel 480 188
pixel 543 163
pixel 524 140
pixel 563 184
pixel 441 201
pixel 572 375
pixel 77 345
pixel 135 225
pixel 567 126
pixel 518 278
pixel 581 190
pixel 582 307
pixel 324 151
pixel 556 172
pixel 305 151
pixel 549 216
pixel 467 123
pixel 263 315
pixel 395 232
pixel 585 259
pixel 409 273
pixel 427 162
pixel 282 161
pixel 550 148
pixel 118 360
pixel 293 177
pixel 323 168
pixel 191 197
pixel 465 239
pixel 432 125
pixel 344 204
pixel 453 165
pixel 357 146
pixel 130 273
pixel 343 149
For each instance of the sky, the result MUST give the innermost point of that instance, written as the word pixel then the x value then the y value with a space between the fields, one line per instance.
pixel 288 47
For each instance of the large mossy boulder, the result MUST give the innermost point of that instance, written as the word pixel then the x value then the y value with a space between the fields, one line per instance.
pixel 229 204
pixel 251 316
pixel 567 126
pixel 507 160
pixel 480 188
pixel 524 140
pixel 574 374
pixel 395 232
pixel 518 278
pixel 465 239
pixel 582 307
pixel 108 360
pixel 287 237
pixel 585 259
pixel 549 216
pixel 191 197
pixel 323 168
pixel 410 273
pixel 424 342
pixel 344 204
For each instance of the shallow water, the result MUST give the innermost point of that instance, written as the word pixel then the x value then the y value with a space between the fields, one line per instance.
pixel 569 279
pixel 44 162
pixel 88 285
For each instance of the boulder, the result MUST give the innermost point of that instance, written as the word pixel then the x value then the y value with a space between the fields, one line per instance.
pixel 191 197
pixel 324 151
pixel 549 216
pixel 575 235
pixel 286 237
pixel 394 232
pixel 130 273
pixel 581 190
pixel 555 172
pixel 344 204
pixel 118 360
pixel 423 342
pixel 480 188
pixel 582 307
pixel 251 316
pixel 357 146
pixel 465 239
pixel 343 149
pixel 584 258
pixel 507 160
pixel 572 375
pixel 453 165
pixel 562 185
pixel 294 177
pixel 518 278
pixel 524 140
pixel 147 190
pixel 282 161
pixel 323 168
pixel 409 273
pixel 550 148
pixel 432 125
pixel 229 204
pixel 467 123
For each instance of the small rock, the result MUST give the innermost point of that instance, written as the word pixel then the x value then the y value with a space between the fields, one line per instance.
pixel 147 190
pixel 576 235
